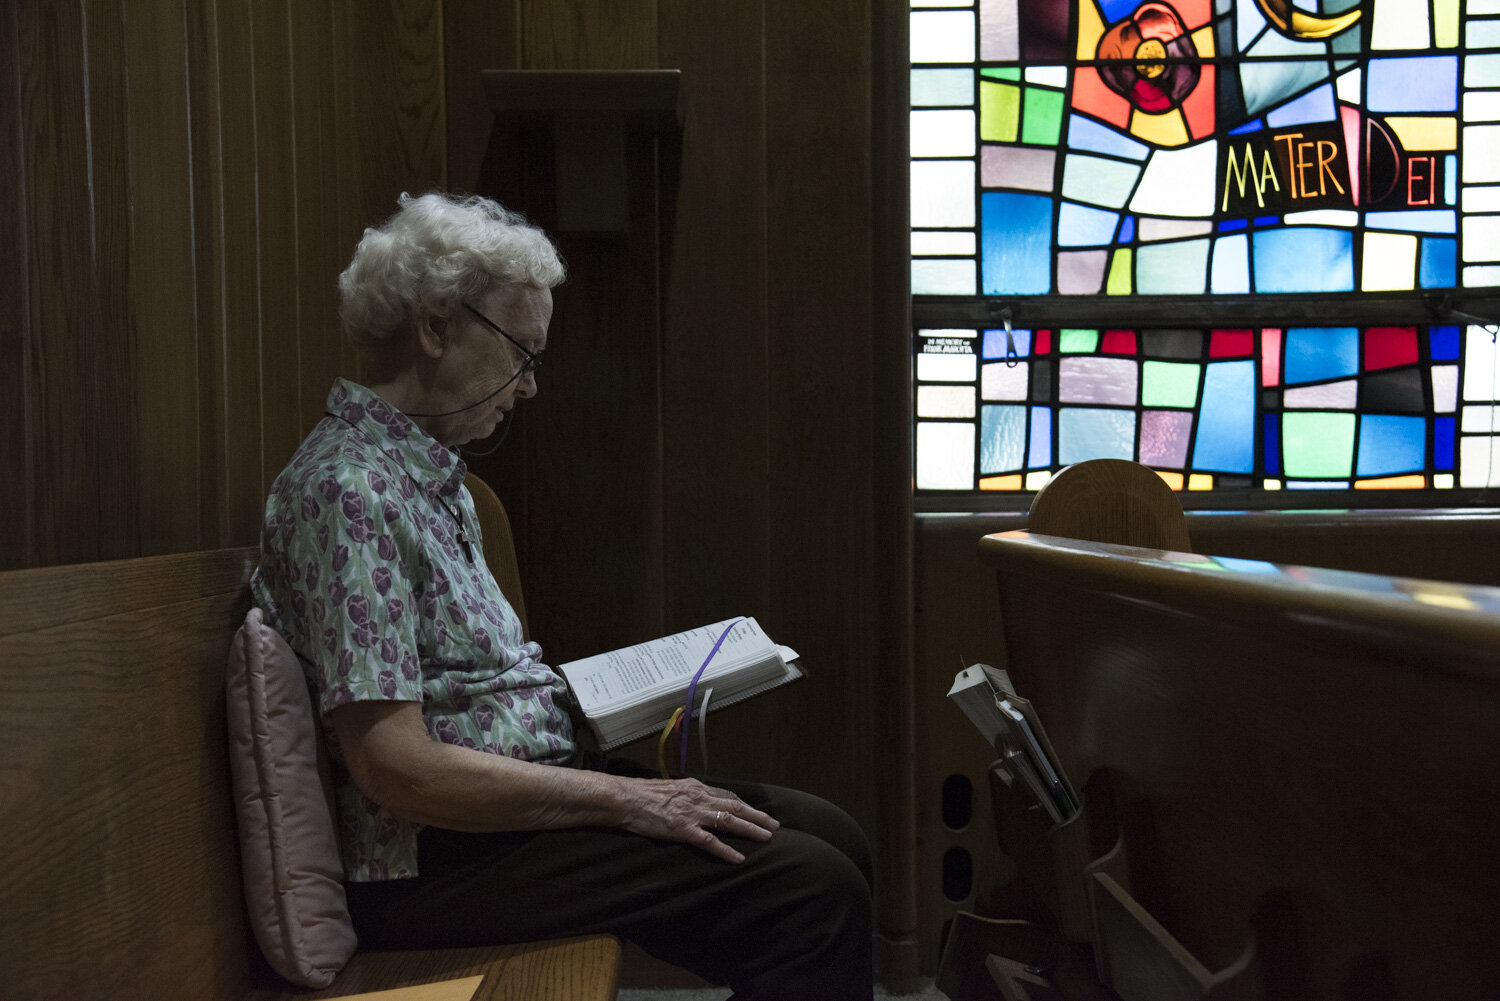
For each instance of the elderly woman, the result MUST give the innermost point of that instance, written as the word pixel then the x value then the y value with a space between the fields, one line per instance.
pixel 469 813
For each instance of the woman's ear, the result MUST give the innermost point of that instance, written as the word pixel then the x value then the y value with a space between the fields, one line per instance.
pixel 432 335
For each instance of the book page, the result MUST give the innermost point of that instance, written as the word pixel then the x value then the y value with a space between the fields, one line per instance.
pixel 619 676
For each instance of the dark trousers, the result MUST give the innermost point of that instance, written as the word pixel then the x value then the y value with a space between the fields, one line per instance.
pixel 792 921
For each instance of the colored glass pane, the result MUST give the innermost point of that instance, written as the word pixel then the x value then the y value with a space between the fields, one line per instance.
pixel 1044 342
pixel 941 87
pixel 1317 445
pixel 1226 423
pixel 1390 444
pixel 1315 354
pixel 1164 438
pixel 1398 392
pixel 997 344
pixel 999 111
pixel 1169 384
pixel 1016 228
pixel 1387 347
pixel 1341 395
pixel 1094 379
pixel 1077 341
pixel 1002 438
pixel 1118 342
pixel 1016 167
pixel 1232 344
pixel 1039 450
pixel 1042 120
pixel 1095 434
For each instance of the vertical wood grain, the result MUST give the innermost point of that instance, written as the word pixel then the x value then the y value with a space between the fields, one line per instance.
pixel 113 400
pixel 276 183
pixel 477 35
pixel 60 239
pixel 715 380
pixel 17 479
pixel 245 359
pixel 206 156
pixel 159 263
pixel 595 35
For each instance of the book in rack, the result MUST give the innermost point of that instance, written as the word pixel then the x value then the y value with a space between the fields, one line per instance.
pixel 631 693
pixel 1010 724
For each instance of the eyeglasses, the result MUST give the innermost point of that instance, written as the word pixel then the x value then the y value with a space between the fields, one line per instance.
pixel 530 363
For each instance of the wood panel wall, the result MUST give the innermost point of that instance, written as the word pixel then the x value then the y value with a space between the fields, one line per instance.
pixel 722 425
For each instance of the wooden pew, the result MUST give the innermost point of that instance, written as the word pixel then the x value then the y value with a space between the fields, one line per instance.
pixel 1289 774
pixel 119 861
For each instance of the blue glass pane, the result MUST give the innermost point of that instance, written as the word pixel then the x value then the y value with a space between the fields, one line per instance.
pixel 1272 428
pixel 1081 226
pixel 1304 259
pixel 1425 221
pixel 1231 265
pixel 1002 439
pixel 1314 106
pixel 995 344
pixel 1391 445
pixel 1085 133
pixel 1040 455
pixel 1113 10
pixel 1443 343
pixel 1095 434
pixel 1313 354
pixel 1442 442
pixel 1226 421
pixel 1127 229
pixel 1439 263
pixel 1418 83
pixel 1017 243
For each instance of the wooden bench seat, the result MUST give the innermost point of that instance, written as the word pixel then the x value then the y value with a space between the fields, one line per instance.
pixel 119 860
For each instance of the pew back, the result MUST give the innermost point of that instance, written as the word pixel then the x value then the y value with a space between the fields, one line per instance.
pixel 1293 762
pixel 120 876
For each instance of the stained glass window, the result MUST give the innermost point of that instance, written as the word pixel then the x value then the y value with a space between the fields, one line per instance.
pixel 1211 153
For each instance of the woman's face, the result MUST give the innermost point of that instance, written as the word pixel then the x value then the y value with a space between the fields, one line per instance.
pixel 477 361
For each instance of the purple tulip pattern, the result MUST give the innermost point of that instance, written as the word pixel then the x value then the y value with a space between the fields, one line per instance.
pixel 361 571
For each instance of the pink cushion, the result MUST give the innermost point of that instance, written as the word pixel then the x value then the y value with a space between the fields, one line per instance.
pixel 288 832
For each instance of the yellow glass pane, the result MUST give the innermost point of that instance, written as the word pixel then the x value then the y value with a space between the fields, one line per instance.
pixel 1445 23
pixel 1200 481
pixel 1011 482
pixel 1203 41
pixel 1415 481
pixel 1090 30
pixel 1038 479
pixel 1169 129
pixel 999 111
pixel 1121 280
pixel 1271 485
pixel 1425 132
pixel 1173 480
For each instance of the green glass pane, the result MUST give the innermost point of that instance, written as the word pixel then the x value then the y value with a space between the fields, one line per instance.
pixel 999 112
pixel 1005 73
pixel 1042 122
pixel 1078 341
pixel 1169 384
pixel 1119 273
pixel 1317 444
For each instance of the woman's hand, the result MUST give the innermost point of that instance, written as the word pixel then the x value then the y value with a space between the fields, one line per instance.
pixel 689 811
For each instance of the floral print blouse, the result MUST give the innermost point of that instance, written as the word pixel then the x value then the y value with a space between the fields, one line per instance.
pixel 361 570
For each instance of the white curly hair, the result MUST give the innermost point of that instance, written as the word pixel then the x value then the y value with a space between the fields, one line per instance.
pixel 436 252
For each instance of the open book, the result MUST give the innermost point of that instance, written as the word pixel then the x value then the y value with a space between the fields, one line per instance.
pixel 630 693
pixel 1012 727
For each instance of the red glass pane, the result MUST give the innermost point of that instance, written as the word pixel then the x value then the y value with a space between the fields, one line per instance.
pixel 1386 347
pixel 1043 345
pixel 1118 342
pixel 1232 344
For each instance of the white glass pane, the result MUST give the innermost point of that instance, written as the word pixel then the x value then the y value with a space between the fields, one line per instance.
pixel 1179 182
pixel 1482 106
pixel 1048 76
pixel 1483 34
pixel 946 368
pixel 1445 388
pixel 1481 154
pixel 1477 199
pixel 942 194
pixel 938 87
pixel 999 29
pixel 1480 419
pixel 1479 462
pixel 1481 366
pixel 1481 238
pixel 1097 181
pixel 1482 275
pixel 1000 381
pixel 1482 7
pixel 945 401
pixel 1399 24
pixel 942 133
pixel 930 277
pixel 1171 229
pixel 956 332
pixel 1482 70
pixel 1332 396
pixel 927 243
pixel 942 3
pixel 1349 86
pixel 945 36
pixel 945 456
pixel 1323 217
pixel 1390 262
